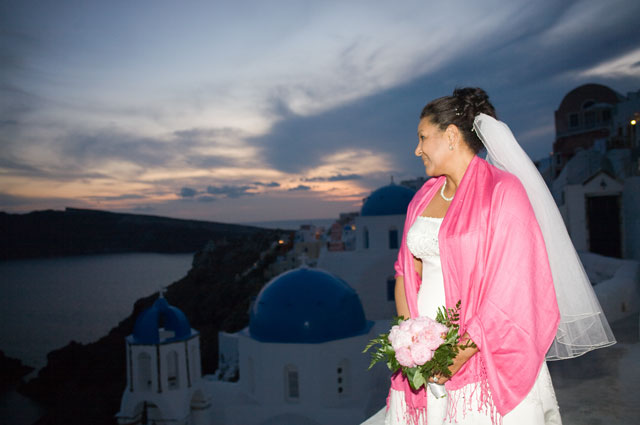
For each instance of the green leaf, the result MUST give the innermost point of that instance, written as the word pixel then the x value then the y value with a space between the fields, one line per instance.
pixel 417 380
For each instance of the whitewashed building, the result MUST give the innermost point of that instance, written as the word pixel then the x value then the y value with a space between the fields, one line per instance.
pixel 300 359
pixel 594 172
pixel 164 379
pixel 377 233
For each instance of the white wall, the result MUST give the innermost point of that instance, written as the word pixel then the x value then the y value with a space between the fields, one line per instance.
pixel 319 400
pixel 367 269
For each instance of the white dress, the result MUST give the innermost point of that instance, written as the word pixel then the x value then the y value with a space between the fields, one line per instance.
pixel 539 406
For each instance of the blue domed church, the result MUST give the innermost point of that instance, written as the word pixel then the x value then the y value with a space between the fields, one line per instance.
pixel 164 379
pixel 300 359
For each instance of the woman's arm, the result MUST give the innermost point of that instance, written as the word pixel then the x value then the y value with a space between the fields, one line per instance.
pixel 402 307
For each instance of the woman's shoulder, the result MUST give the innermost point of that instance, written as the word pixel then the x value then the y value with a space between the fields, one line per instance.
pixel 501 180
pixel 506 188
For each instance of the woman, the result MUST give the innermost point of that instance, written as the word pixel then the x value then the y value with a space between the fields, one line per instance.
pixel 471 235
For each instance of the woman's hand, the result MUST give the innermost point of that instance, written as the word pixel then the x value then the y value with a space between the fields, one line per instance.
pixel 458 361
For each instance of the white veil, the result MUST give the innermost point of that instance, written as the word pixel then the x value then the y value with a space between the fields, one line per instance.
pixel 583 326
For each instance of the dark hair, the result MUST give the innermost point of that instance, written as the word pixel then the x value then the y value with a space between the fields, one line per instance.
pixel 460 109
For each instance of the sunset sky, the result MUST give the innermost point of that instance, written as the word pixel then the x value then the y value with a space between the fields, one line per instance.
pixel 245 111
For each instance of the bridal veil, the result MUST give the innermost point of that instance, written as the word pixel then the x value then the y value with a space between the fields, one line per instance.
pixel 583 326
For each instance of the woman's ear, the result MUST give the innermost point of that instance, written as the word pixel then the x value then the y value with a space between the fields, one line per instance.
pixel 452 133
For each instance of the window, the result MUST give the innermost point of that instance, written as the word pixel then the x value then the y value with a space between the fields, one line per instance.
pixel 606 115
pixel 292 388
pixel 393 238
pixel 365 237
pixel 589 119
pixel 342 378
pixel 172 370
pixel 391 289
pixel 573 120
pixel 144 372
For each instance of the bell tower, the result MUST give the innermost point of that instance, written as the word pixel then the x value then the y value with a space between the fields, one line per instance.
pixel 164 377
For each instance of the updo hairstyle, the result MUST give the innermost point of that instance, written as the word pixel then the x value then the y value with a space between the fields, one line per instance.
pixel 460 109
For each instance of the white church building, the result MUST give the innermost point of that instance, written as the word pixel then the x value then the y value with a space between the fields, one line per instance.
pixel 164 379
pixel 300 359
pixel 369 266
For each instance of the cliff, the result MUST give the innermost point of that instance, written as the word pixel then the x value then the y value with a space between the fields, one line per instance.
pixel 84 232
pixel 11 370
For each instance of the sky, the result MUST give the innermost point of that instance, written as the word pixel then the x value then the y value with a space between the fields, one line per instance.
pixel 249 111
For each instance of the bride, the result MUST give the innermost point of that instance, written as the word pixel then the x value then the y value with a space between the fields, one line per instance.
pixel 494 240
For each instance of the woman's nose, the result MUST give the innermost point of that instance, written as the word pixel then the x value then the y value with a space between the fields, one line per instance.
pixel 418 151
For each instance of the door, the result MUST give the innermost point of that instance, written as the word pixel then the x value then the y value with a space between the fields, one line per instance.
pixel 603 220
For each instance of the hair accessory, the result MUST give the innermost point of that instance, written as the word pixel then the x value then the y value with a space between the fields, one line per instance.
pixel 442 192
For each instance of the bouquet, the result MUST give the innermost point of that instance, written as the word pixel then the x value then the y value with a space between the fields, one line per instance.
pixel 421 347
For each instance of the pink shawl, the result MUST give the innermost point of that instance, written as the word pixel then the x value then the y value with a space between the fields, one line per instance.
pixel 494 260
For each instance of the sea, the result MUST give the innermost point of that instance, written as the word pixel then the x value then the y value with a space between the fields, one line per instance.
pixel 46 303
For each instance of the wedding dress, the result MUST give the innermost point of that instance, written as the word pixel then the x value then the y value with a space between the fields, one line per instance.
pixel 539 406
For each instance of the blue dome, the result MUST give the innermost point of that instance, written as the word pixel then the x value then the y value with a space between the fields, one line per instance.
pixel 388 200
pixel 307 306
pixel 161 314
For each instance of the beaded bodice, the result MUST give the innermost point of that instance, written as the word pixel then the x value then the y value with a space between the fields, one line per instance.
pixel 422 238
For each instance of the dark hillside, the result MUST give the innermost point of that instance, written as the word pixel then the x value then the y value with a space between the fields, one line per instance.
pixel 85 232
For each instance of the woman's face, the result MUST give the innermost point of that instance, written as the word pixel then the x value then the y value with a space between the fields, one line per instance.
pixel 433 147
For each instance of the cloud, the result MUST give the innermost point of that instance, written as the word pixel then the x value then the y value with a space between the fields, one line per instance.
pixel 262 111
pixel 627 65
pixel 524 74
pixel 335 178
pixel 300 187
pixel 206 199
pixel 123 197
pixel 270 184
pixel 230 191
pixel 187 192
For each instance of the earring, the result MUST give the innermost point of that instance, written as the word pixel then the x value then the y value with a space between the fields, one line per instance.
pixel 450 147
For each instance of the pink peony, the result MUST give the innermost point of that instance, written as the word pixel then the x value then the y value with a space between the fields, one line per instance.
pixel 399 338
pixel 405 325
pixel 418 325
pixel 404 357
pixel 421 353
pixel 431 335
